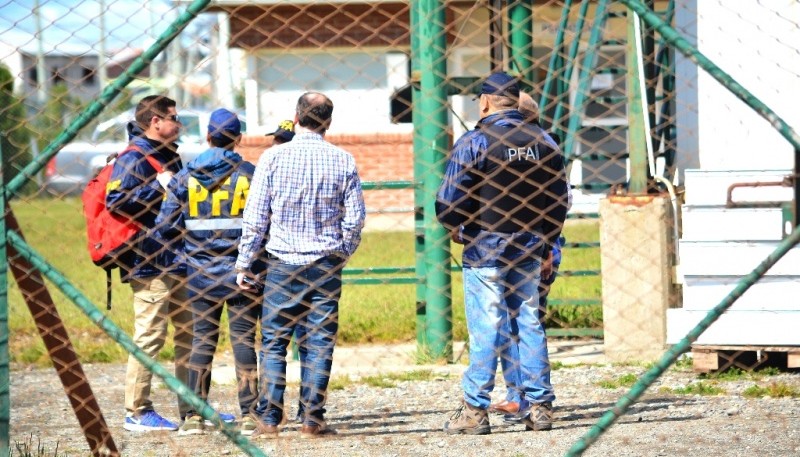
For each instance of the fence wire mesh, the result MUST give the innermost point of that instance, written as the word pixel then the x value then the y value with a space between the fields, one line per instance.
pixel 666 136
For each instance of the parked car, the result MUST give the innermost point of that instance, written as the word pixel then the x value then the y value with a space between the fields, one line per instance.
pixel 77 163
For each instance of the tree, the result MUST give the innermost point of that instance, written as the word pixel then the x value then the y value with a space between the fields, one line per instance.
pixel 14 135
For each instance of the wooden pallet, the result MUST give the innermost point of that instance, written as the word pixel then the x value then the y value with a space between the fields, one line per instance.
pixel 707 358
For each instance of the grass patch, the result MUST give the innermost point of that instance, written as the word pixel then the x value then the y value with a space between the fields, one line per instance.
pixel 774 390
pixel 384 313
pixel 684 363
pixel 738 374
pixel 379 381
pixel 626 380
pixel 339 382
pixel 383 380
pixel 389 380
pixel 697 388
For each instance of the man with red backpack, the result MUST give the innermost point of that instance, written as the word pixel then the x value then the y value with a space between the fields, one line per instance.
pixel 135 191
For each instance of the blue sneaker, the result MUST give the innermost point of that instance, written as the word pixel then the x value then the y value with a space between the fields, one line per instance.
pixel 225 417
pixel 148 421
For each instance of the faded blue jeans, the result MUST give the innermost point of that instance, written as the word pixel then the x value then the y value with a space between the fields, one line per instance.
pixel 307 297
pixel 508 357
pixel 502 307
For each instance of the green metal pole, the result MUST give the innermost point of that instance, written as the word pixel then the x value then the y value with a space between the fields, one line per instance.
pixel 432 130
pixel 556 65
pixel 637 149
pixel 520 25
pixel 5 376
pixel 566 72
pixel 584 78
pixel 419 174
pixel 107 96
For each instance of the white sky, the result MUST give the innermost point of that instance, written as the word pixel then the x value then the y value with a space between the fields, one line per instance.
pixel 70 25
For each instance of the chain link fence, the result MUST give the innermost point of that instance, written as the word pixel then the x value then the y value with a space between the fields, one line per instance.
pixel 668 122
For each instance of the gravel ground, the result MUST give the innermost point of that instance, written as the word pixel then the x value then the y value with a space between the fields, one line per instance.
pixel 407 419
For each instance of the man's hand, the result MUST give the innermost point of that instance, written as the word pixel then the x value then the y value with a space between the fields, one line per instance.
pixel 241 282
pixel 455 235
pixel 547 265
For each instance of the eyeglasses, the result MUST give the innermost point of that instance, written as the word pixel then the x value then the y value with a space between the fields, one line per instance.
pixel 171 117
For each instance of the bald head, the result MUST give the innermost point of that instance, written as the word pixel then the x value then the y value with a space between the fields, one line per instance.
pixel 528 107
pixel 314 111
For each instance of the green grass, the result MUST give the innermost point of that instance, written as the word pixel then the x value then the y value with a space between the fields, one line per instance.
pixel 738 374
pixel 696 388
pixel 774 390
pixel 368 313
pixel 383 380
pixel 626 380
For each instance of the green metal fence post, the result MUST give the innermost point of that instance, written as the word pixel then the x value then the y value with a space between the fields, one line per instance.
pixel 566 72
pixel 584 78
pixel 433 136
pixel 520 25
pixel 637 148
pixel 556 65
pixel 5 377
pixel 419 173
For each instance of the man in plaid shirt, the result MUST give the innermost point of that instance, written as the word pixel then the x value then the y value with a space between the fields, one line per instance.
pixel 306 201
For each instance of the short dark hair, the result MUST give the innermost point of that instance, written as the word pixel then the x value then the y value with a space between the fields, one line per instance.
pixel 222 142
pixel 314 111
pixel 152 105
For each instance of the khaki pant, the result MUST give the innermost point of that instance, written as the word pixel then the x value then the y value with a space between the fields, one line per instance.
pixel 155 302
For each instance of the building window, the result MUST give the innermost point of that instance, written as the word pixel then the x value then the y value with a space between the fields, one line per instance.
pixel 89 76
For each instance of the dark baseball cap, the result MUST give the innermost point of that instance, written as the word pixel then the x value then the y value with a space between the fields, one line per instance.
pixel 224 125
pixel 500 83
pixel 285 131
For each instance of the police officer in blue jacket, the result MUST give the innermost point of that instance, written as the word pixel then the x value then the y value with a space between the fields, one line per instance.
pixel 135 191
pixel 504 197
pixel 205 204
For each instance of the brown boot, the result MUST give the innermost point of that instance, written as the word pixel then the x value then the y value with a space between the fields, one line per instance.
pixel 540 417
pixel 468 420
pixel 317 431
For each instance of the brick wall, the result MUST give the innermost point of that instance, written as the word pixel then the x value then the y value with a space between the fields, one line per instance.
pixel 379 157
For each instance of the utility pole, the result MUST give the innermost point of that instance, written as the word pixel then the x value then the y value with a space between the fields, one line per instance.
pixel 101 52
pixel 41 78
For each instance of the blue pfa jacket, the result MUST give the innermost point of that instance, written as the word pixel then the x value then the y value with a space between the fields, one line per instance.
pixel 505 189
pixel 133 192
pixel 204 206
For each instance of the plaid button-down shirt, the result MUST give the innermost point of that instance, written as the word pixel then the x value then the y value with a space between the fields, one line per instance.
pixel 306 200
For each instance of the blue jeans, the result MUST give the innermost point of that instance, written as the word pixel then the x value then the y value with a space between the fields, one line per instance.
pixel 502 308
pixel 304 296
pixel 511 373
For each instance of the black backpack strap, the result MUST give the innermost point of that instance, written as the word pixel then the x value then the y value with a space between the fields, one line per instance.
pixel 108 288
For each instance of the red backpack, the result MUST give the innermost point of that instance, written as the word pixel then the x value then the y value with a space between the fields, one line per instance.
pixel 108 234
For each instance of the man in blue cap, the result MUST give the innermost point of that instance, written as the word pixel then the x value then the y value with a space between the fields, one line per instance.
pixel 504 196
pixel 205 203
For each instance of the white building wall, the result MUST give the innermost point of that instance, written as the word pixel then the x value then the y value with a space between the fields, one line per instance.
pixel 757 44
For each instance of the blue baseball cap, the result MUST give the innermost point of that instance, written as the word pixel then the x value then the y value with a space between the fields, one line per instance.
pixel 500 83
pixel 224 125
pixel 285 131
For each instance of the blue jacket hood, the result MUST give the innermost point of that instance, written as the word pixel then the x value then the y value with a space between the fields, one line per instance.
pixel 212 167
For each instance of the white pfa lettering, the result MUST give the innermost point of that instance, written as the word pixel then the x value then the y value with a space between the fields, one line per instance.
pixel 523 153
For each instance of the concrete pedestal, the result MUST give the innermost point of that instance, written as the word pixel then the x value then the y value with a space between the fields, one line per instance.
pixel 637 251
